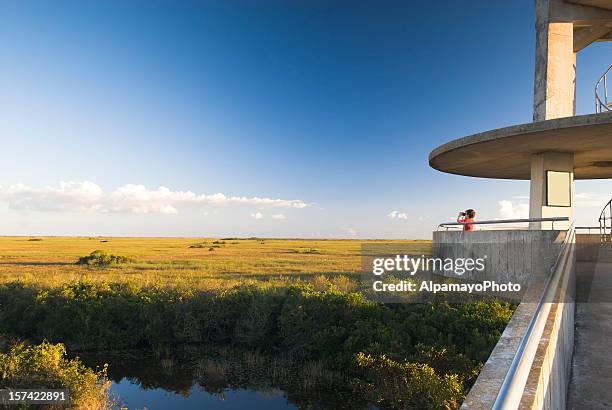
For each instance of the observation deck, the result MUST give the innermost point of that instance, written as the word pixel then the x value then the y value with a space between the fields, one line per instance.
pixel 564 335
pixel 506 153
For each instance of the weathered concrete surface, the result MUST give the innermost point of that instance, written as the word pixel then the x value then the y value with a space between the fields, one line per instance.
pixel 512 255
pixel 555 69
pixel 547 384
pixel 563 29
pixel 604 4
pixel 591 382
pixel 487 386
pixel 548 375
pixel 506 152
pixel 587 247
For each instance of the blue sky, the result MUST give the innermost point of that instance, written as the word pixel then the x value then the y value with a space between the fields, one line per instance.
pixel 326 109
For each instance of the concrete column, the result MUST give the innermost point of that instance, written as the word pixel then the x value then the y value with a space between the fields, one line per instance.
pixel 551 193
pixel 555 69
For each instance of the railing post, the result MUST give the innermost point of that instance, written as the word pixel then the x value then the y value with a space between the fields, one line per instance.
pixel 601 106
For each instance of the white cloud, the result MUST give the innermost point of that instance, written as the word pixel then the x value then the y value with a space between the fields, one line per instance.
pixel 591 199
pixel 68 196
pixel 351 231
pixel 397 215
pixel 257 215
pixel 137 199
pixel 242 200
pixel 279 216
pixel 513 210
pixel 89 197
pixel 520 207
pixel 168 210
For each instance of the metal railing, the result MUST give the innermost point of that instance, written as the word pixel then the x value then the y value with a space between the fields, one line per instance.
pixel 506 221
pixel 513 386
pixel 588 228
pixel 605 223
pixel 602 104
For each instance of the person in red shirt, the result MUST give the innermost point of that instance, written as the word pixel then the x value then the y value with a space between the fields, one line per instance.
pixel 467 216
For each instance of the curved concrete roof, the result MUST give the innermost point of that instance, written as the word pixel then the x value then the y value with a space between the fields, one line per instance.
pixel 506 152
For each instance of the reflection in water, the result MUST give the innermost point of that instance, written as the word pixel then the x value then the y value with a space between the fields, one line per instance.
pixel 196 377
pixel 132 396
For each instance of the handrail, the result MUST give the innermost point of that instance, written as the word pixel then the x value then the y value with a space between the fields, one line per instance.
pixel 585 228
pixel 505 221
pixel 605 229
pixel 601 106
pixel 512 388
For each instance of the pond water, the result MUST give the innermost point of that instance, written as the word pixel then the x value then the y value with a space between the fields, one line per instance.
pixel 132 395
pixel 221 378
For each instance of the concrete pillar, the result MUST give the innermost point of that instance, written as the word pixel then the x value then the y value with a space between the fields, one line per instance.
pixel 555 68
pixel 552 188
pixel 552 173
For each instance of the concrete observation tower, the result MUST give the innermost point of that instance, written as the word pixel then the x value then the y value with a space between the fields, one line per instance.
pixel 557 147
pixel 554 352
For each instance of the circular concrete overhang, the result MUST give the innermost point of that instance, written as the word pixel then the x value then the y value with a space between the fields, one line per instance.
pixel 506 152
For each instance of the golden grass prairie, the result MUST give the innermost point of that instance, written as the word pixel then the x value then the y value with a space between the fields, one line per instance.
pixel 201 263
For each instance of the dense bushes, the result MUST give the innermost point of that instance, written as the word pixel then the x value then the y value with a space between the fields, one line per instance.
pixel 102 258
pixel 46 366
pixel 298 319
pixel 342 329
pixel 408 385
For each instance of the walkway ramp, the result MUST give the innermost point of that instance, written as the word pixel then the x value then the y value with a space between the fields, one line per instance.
pixel 591 381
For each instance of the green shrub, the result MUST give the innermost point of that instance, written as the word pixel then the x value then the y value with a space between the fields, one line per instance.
pixel 46 366
pixel 407 385
pixel 102 258
pixel 325 325
pixel 316 324
pixel 446 360
pixel 307 251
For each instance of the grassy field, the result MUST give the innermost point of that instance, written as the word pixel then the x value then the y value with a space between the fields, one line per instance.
pixel 281 298
pixel 195 262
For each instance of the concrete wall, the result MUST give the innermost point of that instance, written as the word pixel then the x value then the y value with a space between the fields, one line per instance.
pixel 547 384
pixel 588 247
pixel 484 392
pixel 547 378
pixel 512 255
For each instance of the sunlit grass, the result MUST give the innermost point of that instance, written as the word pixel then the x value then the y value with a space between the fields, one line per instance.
pixel 49 261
